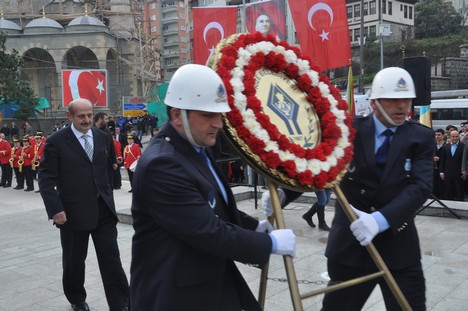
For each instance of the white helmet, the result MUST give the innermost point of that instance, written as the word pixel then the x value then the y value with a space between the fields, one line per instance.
pixel 392 82
pixel 197 87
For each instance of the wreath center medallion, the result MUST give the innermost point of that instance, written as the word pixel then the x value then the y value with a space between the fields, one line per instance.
pixel 288 108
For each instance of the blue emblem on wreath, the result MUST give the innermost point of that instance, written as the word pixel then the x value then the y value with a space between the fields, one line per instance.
pixel 284 107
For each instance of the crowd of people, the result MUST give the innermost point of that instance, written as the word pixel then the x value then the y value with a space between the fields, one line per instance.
pixel 451 163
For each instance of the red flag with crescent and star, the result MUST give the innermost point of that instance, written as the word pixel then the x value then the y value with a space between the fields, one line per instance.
pixel 324 31
pixel 87 83
pixel 210 25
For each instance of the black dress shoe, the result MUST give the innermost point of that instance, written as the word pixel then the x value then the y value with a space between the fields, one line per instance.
pixel 6 186
pixel 18 188
pixel 29 189
pixel 130 191
pixel 82 306
pixel 37 191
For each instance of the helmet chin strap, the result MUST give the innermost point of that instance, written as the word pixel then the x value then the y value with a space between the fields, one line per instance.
pixel 385 114
pixel 187 130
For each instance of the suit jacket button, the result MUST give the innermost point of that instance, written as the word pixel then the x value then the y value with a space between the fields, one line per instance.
pixel 363 191
pixel 168 139
pixel 372 209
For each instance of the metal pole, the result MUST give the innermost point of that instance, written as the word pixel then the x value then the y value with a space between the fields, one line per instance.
pixel 244 17
pixel 361 50
pixel 381 35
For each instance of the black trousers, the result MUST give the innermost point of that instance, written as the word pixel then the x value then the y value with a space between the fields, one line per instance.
pixel 410 280
pixel 117 178
pixel 28 176
pixel 19 178
pixel 7 174
pixel 75 251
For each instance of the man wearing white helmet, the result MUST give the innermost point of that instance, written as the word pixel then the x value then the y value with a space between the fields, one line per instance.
pixel 188 230
pixel 387 182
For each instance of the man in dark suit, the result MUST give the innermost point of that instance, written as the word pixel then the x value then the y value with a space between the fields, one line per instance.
pixel 188 230
pixel 450 169
pixel 388 180
pixel 78 198
pixel 438 189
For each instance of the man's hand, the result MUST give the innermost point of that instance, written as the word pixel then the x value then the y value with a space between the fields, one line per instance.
pixel 60 218
pixel 285 242
pixel 365 228
pixel 264 226
pixel 266 201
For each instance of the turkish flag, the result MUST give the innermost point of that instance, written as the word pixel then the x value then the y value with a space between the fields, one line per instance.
pixel 89 84
pixel 322 31
pixel 272 10
pixel 210 25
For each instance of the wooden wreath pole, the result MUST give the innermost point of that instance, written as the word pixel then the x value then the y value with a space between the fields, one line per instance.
pixel 288 261
pixel 374 253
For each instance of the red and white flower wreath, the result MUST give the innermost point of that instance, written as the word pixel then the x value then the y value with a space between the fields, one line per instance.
pixel 317 167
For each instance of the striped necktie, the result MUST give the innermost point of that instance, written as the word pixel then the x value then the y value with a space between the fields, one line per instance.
pixel 87 147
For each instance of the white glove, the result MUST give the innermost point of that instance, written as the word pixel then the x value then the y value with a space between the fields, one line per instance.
pixel 365 228
pixel 264 226
pixel 266 201
pixel 285 242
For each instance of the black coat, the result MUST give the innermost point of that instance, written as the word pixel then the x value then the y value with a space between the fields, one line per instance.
pixel 70 182
pixel 186 236
pixel 398 194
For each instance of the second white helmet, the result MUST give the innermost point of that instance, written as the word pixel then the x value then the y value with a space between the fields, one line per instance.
pixel 197 87
pixel 392 82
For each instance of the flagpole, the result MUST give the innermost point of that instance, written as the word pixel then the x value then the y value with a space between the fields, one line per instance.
pixel 381 35
pixel 244 22
pixel 361 50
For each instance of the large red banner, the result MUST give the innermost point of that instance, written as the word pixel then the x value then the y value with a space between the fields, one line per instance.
pixel 322 31
pixel 88 83
pixel 210 25
pixel 267 17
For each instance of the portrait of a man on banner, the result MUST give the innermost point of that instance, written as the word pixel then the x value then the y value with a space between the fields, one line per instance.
pixel 267 17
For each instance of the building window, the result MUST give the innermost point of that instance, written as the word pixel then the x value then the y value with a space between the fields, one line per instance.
pixel 184 61
pixel 410 12
pixel 349 10
pixel 384 6
pixel 372 7
pixel 182 27
pixel 372 31
pixel 357 11
pixel 182 15
pixel 183 50
pixel 183 39
pixel 153 28
pixel 351 35
pixel 405 11
pixel 153 5
pixel 365 9
pixel 153 17
pixel 357 34
pixel 390 8
pixel 181 4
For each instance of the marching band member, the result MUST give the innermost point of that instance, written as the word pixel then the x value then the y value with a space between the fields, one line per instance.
pixel 132 152
pixel 5 155
pixel 27 154
pixel 38 152
pixel 118 154
pixel 17 162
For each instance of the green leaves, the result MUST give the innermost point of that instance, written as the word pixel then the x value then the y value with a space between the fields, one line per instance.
pixel 12 87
